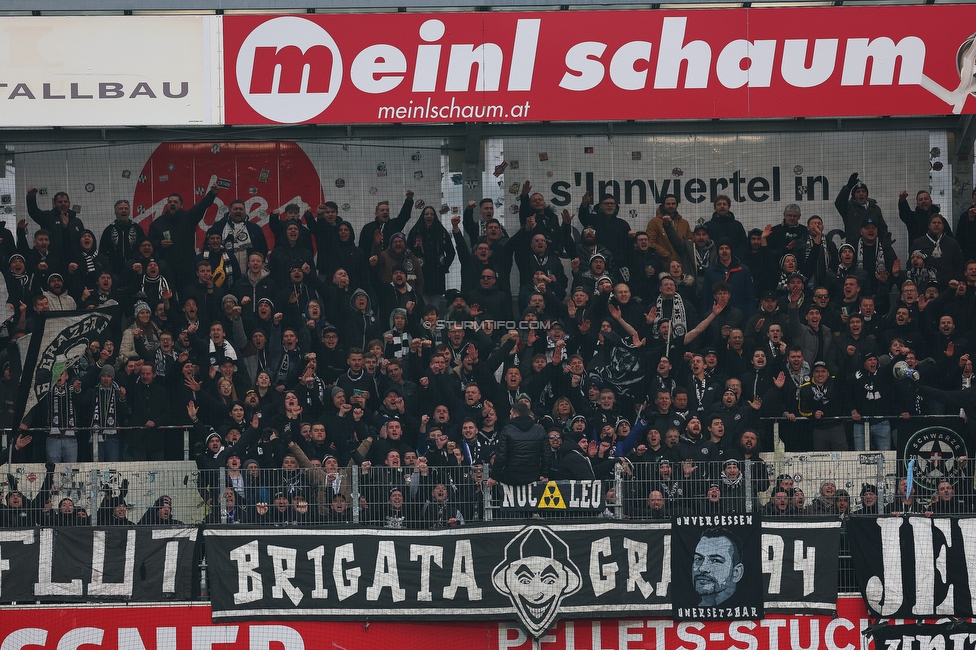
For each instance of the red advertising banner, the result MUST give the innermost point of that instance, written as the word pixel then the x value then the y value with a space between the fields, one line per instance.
pixel 174 627
pixel 599 65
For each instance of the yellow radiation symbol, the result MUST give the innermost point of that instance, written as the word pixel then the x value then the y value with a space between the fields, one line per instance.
pixel 551 498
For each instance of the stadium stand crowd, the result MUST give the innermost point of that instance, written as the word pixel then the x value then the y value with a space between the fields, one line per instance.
pixel 664 351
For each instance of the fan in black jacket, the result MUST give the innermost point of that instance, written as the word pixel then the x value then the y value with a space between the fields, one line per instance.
pixel 522 454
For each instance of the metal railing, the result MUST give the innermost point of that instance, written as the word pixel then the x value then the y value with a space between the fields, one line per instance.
pixel 812 485
pixel 779 421
pixel 420 497
pixel 93 434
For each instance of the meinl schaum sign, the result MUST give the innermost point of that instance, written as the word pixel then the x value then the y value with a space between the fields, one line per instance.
pixel 598 65
pixel 533 573
pixel 91 564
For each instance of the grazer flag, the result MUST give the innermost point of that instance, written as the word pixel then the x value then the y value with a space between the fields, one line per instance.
pixel 915 567
pixel 58 341
pixel 716 571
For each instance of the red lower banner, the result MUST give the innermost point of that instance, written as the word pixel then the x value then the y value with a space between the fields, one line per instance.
pixel 174 627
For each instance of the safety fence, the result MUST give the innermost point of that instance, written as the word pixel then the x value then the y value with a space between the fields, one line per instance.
pixel 426 498
pixel 422 496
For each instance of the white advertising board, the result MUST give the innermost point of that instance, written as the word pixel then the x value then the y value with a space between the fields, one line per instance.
pixel 108 71
pixel 761 172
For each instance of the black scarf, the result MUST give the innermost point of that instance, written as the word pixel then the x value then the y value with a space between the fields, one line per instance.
pixel 62 408
pixel 105 413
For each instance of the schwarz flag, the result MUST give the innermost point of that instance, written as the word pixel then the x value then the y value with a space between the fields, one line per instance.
pixel 716 568
pixel 58 341
pixel 799 564
pixel 915 567
pixel 920 636
pixel 85 564
pixel 533 573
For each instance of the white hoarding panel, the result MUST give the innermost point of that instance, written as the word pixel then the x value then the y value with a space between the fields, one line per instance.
pixel 108 71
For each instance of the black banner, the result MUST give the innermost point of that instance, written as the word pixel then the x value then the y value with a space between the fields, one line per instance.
pixel 91 564
pixel 534 573
pixel 954 635
pixel 716 568
pixel 914 567
pixel 567 496
pixel 799 564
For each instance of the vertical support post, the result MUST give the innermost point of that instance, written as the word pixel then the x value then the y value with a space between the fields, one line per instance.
pixel 486 493
pixel 618 490
pixel 747 477
pixel 355 494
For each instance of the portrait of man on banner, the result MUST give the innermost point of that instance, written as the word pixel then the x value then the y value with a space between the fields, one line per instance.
pixel 716 568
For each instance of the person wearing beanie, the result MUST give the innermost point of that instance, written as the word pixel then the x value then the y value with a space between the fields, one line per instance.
pixel 225 265
pixel 57 294
pixel 587 244
pixel 575 462
pixel 21 281
pixel 360 324
pixel 384 261
pixel 289 253
pixel 855 208
pixel 85 265
pixel 870 394
pixel 727 268
pixel 874 256
pixel 586 274
pixel 869 501
pixel 142 328
pixel 106 402
pixel 399 293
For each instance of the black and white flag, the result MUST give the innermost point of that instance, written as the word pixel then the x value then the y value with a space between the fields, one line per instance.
pixel 715 567
pixel 58 341
pixel 799 564
pixel 94 563
pixel 915 567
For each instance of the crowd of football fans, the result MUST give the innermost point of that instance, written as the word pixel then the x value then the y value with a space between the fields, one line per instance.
pixel 574 345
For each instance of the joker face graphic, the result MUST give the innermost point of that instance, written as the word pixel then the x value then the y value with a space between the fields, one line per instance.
pixel 536 574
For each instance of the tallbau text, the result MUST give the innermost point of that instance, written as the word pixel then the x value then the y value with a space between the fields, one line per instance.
pixel 739 186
